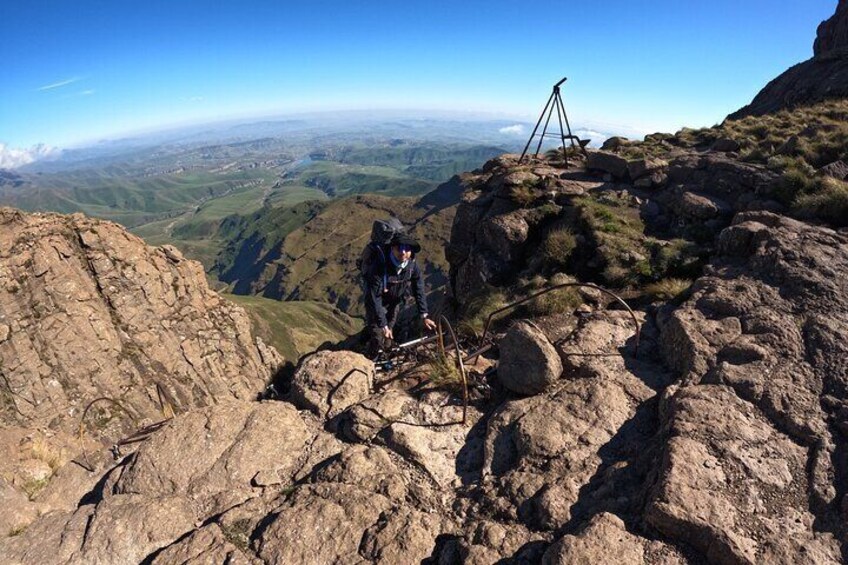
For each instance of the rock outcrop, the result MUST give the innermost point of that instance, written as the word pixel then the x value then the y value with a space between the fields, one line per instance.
pixel 822 77
pixel 88 310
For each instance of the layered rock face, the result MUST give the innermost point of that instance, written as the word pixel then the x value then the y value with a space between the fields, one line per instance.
pixel 754 463
pixel 88 311
pixel 822 77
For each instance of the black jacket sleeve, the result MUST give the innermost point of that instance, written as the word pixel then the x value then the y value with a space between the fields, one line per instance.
pixel 418 289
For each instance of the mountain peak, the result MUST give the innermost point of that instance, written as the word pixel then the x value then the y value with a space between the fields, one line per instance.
pixel 823 77
pixel 832 34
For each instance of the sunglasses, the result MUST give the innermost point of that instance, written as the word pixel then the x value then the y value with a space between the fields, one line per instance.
pixel 405 248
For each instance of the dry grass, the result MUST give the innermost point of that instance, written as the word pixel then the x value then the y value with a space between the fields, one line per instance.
pixel 34 486
pixel 42 450
pixel 479 308
pixel 828 202
pixel 17 530
pixel 555 302
pixel 443 372
pixel 523 195
pixel 558 246
pixel 667 289
pixel 793 142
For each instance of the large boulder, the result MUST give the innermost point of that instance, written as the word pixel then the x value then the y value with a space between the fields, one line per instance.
pixel 504 235
pixel 611 163
pixel 328 382
pixel 606 540
pixel 529 364
pixel 321 523
pixel 837 170
pixel 120 529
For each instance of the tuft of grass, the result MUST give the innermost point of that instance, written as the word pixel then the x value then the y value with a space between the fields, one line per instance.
pixel 558 246
pixel 443 372
pixel 43 451
pixel 523 195
pixel 479 308
pixel 34 486
pixel 555 302
pixel 667 289
pixel 238 533
pixel 828 201
pixel 17 530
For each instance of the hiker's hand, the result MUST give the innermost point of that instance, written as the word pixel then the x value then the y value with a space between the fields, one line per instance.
pixel 387 332
pixel 429 324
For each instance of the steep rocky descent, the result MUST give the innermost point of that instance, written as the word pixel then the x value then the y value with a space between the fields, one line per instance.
pixel 823 76
pixel 88 310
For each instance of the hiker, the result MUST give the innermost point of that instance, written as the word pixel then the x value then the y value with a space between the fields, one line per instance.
pixel 389 273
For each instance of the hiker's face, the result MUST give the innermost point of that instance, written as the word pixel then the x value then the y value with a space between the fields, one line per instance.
pixel 402 252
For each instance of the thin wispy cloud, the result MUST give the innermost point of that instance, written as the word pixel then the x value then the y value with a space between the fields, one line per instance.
pixel 87 92
pixel 59 84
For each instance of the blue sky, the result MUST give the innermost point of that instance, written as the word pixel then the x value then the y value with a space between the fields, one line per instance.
pixel 77 71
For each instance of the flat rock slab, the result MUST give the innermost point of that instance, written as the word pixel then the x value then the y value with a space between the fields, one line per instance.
pixel 211 456
pixel 722 454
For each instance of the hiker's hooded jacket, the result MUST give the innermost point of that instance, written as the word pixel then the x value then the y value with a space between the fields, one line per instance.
pixel 386 285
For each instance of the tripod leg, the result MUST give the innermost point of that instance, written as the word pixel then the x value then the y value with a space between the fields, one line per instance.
pixel 544 130
pixel 583 149
pixel 532 135
pixel 561 131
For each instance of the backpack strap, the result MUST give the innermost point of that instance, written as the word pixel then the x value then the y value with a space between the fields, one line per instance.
pixel 385 284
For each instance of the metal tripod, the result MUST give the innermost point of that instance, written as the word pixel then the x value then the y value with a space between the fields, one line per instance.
pixel 555 101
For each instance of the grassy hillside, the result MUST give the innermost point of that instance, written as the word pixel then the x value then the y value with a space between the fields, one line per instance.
pixel 298 327
pixel 251 242
pixel 131 200
pixel 317 259
pixel 433 161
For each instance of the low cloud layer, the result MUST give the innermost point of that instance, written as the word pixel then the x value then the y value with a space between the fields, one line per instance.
pixel 12 158
pixel 517 129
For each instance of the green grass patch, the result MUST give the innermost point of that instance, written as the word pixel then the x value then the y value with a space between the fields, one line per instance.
pixel 296 328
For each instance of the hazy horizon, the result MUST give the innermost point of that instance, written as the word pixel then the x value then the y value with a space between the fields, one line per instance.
pixel 89 71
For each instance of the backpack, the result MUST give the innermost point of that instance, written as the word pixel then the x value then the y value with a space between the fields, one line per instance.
pixel 383 231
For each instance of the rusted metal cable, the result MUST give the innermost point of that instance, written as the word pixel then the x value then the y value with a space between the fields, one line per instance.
pixel 81 430
pixel 557 287
pixel 459 365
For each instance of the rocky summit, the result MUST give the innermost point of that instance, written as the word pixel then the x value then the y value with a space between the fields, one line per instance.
pixel 688 403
